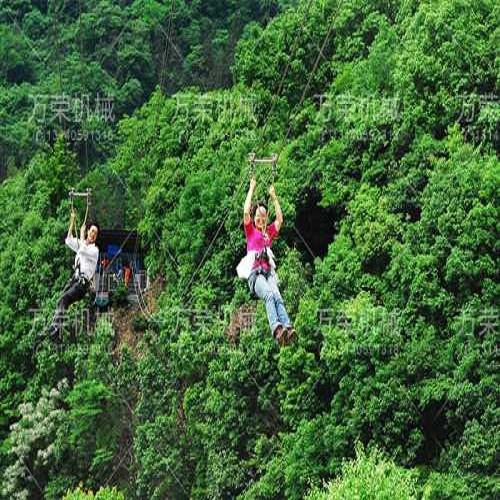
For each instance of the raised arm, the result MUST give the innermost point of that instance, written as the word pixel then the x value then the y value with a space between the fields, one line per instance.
pixel 71 240
pixel 248 202
pixel 82 232
pixel 277 208
pixel 71 226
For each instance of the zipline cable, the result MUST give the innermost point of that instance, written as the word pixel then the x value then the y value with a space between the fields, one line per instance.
pixel 283 76
pixel 315 67
pixel 267 121
pixel 280 87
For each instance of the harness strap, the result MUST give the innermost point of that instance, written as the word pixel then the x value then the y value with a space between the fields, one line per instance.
pixel 82 279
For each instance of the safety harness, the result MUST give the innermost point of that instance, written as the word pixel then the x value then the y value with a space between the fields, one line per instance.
pixel 78 276
pixel 259 270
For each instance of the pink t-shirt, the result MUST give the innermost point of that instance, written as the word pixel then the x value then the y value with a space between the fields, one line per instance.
pixel 258 241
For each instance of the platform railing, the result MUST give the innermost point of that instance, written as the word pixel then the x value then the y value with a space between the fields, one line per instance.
pixel 107 281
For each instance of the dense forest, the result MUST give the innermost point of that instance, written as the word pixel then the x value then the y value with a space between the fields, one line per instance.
pixel 384 115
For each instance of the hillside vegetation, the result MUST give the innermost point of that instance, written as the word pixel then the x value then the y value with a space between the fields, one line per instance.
pixel 385 116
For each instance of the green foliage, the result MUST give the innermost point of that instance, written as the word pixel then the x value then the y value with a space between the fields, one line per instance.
pixel 101 494
pixel 119 295
pixel 31 445
pixel 443 486
pixel 370 476
pixel 16 65
pixel 92 407
pixel 119 51
pixel 31 260
pixel 393 295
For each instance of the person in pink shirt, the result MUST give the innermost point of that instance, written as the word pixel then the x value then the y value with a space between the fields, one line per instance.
pixel 262 278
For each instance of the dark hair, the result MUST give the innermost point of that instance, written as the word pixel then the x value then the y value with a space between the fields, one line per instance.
pixel 257 205
pixel 88 225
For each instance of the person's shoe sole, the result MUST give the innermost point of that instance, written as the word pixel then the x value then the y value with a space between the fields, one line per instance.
pixel 290 335
pixel 279 335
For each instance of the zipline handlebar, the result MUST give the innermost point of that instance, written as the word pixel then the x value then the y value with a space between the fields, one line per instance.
pixel 87 193
pixel 272 159
pixel 253 160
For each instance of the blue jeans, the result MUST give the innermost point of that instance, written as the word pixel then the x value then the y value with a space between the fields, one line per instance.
pixel 267 290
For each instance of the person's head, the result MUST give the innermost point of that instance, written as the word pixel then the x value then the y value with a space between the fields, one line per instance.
pixel 260 215
pixel 92 232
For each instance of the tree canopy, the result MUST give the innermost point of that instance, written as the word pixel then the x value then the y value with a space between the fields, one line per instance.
pixel 385 117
